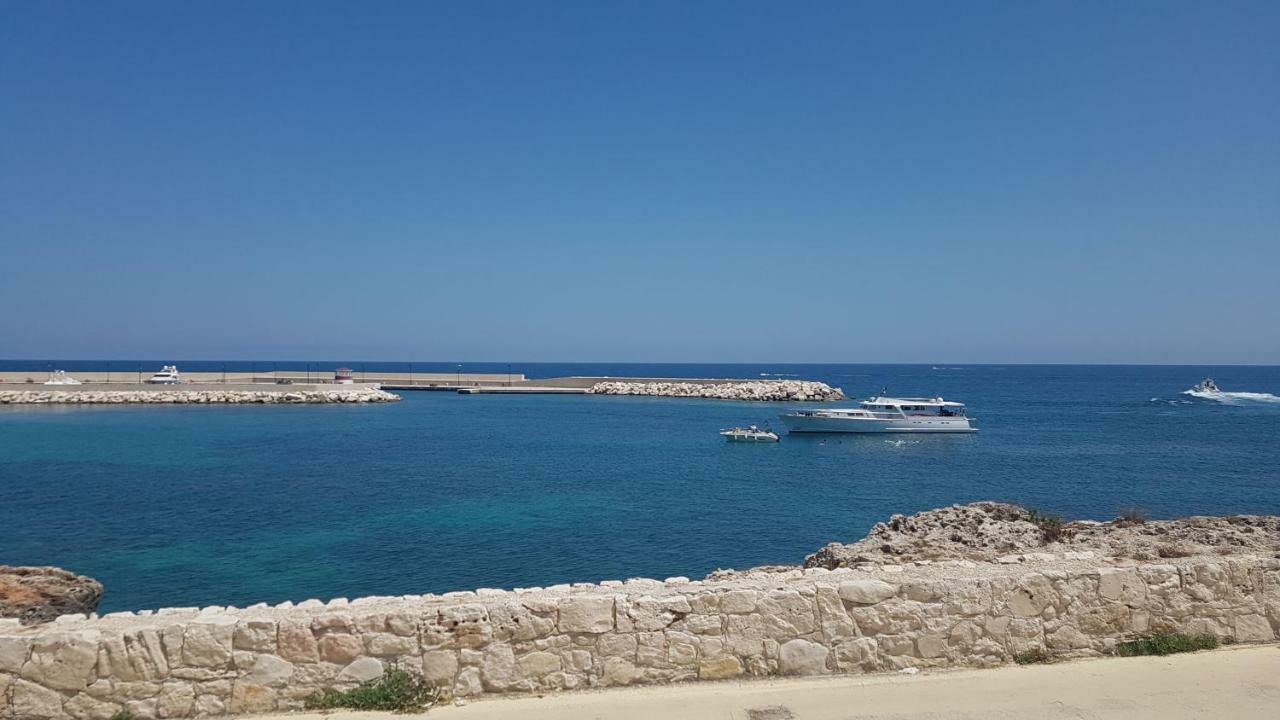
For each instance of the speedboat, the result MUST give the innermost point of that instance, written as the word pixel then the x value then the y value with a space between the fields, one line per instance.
pixel 749 434
pixel 60 377
pixel 884 415
pixel 1206 386
pixel 168 375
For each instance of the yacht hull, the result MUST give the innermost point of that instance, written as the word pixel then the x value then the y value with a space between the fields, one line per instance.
pixel 818 424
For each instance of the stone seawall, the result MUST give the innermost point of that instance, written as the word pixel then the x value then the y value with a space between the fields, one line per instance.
pixel 199 396
pixel 181 663
pixel 762 390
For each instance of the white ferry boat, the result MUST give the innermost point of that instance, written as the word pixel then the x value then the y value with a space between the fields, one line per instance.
pixel 884 415
pixel 168 375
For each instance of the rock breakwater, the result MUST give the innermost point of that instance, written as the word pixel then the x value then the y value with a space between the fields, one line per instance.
pixel 763 390
pixel 196 396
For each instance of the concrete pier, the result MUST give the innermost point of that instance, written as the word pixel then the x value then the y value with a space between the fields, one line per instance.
pixel 390 381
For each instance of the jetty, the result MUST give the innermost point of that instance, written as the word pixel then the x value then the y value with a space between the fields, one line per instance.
pixel 295 381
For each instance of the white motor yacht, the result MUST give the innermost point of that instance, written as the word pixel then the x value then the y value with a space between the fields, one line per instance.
pixel 60 377
pixel 1206 386
pixel 168 375
pixel 884 415
pixel 749 434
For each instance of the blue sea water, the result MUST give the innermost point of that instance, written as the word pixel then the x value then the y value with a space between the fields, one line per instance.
pixel 199 505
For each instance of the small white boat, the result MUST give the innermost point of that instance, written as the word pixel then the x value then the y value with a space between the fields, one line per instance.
pixel 60 377
pixel 749 434
pixel 1206 386
pixel 884 415
pixel 168 375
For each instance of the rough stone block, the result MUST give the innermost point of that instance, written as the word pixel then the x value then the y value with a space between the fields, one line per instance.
pixel 1253 628
pixel 439 667
pixel 739 602
pixel 802 657
pixel 208 644
pixel 537 664
pixel 14 652
pixel 175 700
pixel 586 615
pixel 721 668
pixel 249 698
pixel 256 635
pixel 618 671
pixel 63 661
pixel 340 648
pixel 362 670
pixel 866 591
pixel 297 644
pixel 30 700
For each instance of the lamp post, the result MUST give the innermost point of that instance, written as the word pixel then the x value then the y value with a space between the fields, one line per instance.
pixel 224 373
pixel 139 373
pixel 410 374
pixel 508 374
pixel 459 374
pixel 308 373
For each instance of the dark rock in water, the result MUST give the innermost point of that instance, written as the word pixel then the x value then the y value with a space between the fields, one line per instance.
pixel 40 594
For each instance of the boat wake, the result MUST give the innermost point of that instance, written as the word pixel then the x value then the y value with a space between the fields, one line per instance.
pixel 1233 398
pixel 900 443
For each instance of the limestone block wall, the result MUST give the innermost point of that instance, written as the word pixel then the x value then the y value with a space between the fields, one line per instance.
pixel 190 662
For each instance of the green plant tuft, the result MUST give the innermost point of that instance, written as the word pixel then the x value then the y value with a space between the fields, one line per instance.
pixel 1032 657
pixel 397 691
pixel 1166 643
pixel 123 715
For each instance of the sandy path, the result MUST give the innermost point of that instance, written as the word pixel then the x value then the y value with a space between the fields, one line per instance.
pixel 1231 683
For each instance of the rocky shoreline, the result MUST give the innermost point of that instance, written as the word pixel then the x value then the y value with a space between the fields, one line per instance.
pixel 996 532
pixel 196 396
pixel 754 390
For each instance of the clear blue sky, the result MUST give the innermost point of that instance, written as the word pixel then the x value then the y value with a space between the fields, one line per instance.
pixel 649 181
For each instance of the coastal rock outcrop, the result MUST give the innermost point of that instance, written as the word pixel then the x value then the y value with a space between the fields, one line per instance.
pixel 40 594
pixel 760 390
pixel 201 396
pixel 989 531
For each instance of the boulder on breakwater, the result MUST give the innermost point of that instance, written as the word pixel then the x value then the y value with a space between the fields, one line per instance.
pixel 207 396
pixel 40 594
pixel 762 390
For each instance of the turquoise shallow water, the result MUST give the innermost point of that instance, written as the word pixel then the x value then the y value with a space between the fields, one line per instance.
pixel 235 505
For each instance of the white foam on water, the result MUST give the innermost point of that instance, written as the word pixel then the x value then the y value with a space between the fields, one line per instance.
pixel 1233 398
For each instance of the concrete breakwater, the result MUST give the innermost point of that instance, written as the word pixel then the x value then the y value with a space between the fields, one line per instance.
pixel 189 662
pixel 760 390
pixel 200 395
